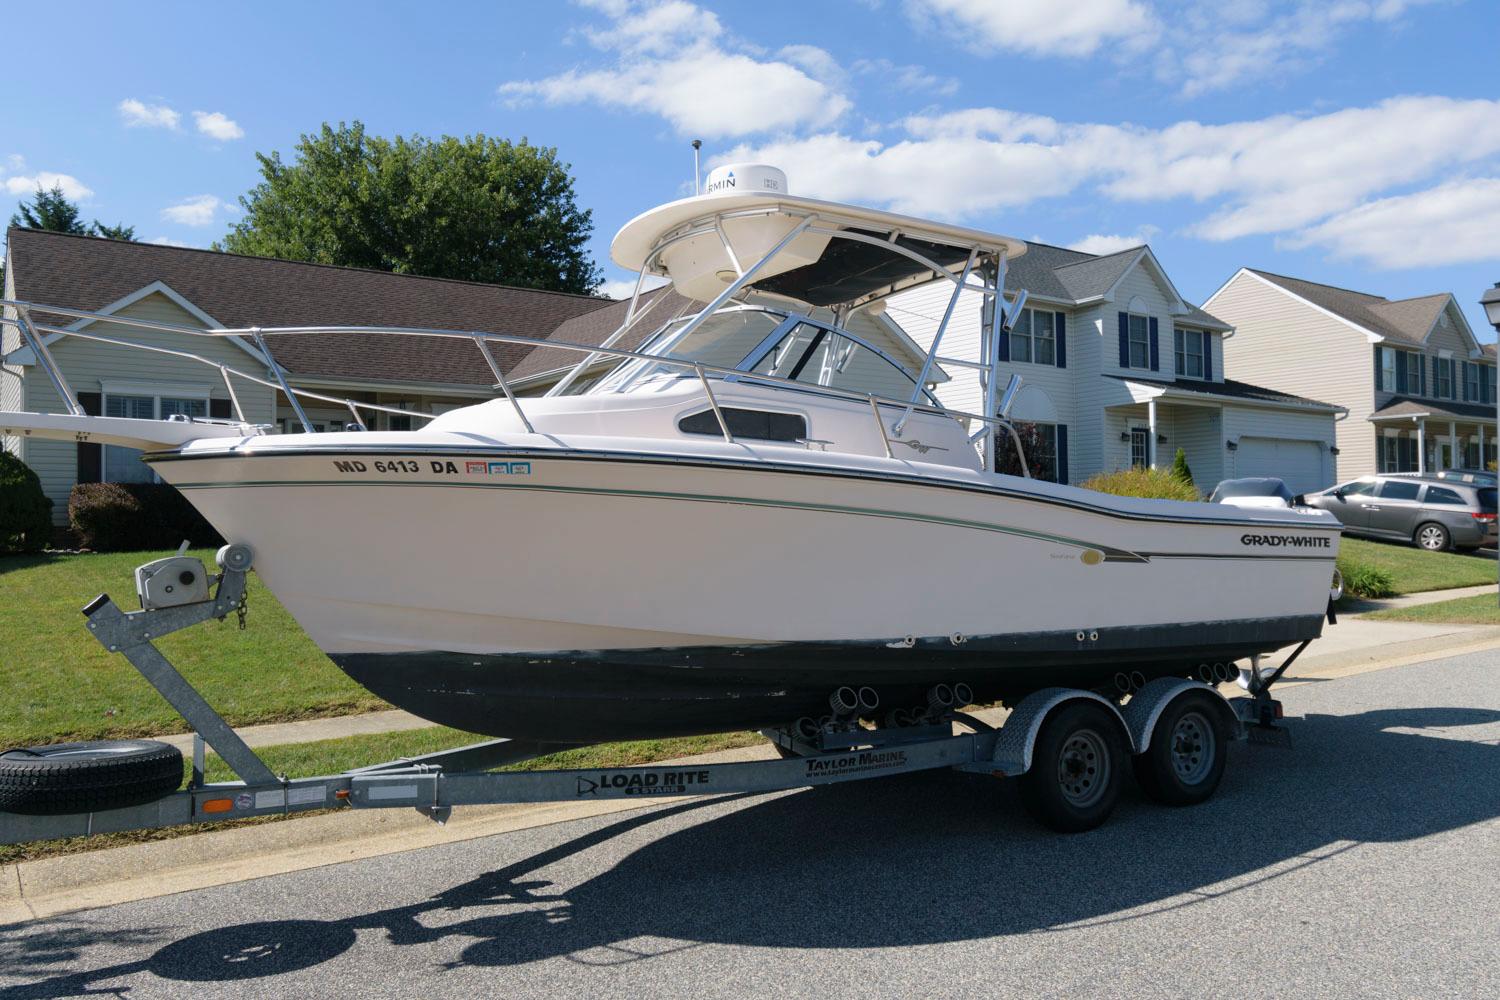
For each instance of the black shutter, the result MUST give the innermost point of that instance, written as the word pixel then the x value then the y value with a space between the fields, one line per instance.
pixel 1062 453
pixel 1208 355
pixel 219 409
pixel 1463 380
pixel 1155 354
pixel 90 456
pixel 1377 367
pixel 1124 340
pixel 1060 330
pixel 1421 375
pixel 1401 371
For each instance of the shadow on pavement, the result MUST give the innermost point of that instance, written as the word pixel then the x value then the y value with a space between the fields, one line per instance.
pixel 900 861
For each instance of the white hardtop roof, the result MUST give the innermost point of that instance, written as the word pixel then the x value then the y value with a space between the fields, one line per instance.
pixel 634 242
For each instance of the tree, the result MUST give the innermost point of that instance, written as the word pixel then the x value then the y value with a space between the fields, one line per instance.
pixel 1180 470
pixel 51 210
pixel 476 209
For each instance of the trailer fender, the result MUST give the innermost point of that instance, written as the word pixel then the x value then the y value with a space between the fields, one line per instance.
pixel 1016 739
pixel 1147 704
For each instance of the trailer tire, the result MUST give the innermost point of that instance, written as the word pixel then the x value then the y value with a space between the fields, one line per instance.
pixel 1184 760
pixel 1076 768
pixel 68 778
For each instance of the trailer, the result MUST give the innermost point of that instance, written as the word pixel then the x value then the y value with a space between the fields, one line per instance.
pixel 1069 748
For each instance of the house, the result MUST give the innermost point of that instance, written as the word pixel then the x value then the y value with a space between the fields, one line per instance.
pixel 1418 388
pixel 1119 370
pixel 202 288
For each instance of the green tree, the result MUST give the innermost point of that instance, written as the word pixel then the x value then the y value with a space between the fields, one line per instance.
pixel 1180 470
pixel 477 209
pixel 51 210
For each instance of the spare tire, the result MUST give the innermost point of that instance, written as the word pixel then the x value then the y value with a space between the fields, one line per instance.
pixel 67 778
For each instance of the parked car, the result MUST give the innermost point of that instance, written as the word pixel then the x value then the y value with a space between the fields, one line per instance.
pixel 1434 514
pixel 1259 491
pixel 1479 477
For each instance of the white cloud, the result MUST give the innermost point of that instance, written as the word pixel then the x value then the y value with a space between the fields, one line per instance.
pixel 217 125
pixel 671 59
pixel 46 180
pixel 623 288
pixel 15 162
pixel 1108 243
pixel 1040 27
pixel 136 114
pixel 909 79
pixel 198 210
pixel 1453 223
pixel 1270 175
pixel 165 241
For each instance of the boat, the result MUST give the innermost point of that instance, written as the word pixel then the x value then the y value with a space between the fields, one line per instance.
pixel 751 506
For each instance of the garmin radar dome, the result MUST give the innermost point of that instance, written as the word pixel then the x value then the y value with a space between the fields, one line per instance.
pixel 743 178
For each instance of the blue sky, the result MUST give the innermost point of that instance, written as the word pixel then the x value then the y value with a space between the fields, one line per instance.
pixel 1355 142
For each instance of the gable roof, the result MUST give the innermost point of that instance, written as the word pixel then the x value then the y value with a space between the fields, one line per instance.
pixel 88 273
pixel 1065 275
pixel 1406 321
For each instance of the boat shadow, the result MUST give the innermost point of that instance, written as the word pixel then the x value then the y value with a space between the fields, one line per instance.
pixel 900 861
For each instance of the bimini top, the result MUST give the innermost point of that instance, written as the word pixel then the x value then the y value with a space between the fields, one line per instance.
pixel 701 243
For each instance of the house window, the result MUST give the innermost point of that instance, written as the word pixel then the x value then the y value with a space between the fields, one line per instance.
pixel 1040 444
pixel 1471 382
pixel 1442 378
pixel 1140 342
pixel 1412 366
pixel 124 465
pixel 1191 345
pixel 1387 369
pixel 1139 442
pixel 398 423
pixel 1033 338
pixel 1398 453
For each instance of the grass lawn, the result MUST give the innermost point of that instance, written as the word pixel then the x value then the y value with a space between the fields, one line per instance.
pixel 1480 610
pixel 300 760
pixel 1413 569
pixel 59 684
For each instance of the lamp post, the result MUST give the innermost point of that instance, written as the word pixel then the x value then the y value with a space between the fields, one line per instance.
pixel 1491 302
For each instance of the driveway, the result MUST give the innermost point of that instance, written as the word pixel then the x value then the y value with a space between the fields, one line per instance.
pixel 1360 862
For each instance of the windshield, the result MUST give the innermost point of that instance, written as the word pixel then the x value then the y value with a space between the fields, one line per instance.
pixel 816 355
pixel 1251 488
pixel 722 340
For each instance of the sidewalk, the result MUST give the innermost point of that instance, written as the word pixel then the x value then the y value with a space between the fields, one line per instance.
pixel 1358 606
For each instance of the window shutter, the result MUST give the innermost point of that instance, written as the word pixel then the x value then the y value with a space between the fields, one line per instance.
pixel 1124 340
pixel 1421 375
pixel 219 409
pixel 1463 380
pixel 1401 371
pixel 1060 331
pixel 1155 354
pixel 90 456
pixel 1377 367
pixel 1208 355
pixel 1062 453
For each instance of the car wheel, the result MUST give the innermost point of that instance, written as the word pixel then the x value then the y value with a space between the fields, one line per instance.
pixel 1433 537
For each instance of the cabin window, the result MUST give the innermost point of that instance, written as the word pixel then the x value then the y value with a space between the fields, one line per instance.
pixel 1191 345
pixel 1140 342
pixel 1034 337
pixel 757 425
pixel 815 355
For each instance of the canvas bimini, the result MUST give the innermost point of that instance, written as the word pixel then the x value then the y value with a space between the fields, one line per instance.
pixel 753 507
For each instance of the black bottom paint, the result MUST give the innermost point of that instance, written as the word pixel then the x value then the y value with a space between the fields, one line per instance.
pixel 587 696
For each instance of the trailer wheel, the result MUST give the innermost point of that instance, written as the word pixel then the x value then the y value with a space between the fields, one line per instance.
pixel 1184 762
pixel 87 777
pixel 1074 778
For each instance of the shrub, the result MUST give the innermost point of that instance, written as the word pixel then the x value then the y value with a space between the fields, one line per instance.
pixel 123 517
pixel 1156 484
pixel 25 511
pixel 1180 467
pixel 1364 580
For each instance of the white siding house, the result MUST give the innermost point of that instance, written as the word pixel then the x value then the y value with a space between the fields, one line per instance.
pixel 1118 370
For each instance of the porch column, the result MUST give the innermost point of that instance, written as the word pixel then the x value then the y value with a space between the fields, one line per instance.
pixel 1453 462
pixel 1151 433
pixel 1421 446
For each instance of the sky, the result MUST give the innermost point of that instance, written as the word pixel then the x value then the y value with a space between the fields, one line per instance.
pixel 1352 142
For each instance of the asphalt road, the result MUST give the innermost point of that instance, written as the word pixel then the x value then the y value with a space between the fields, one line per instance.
pixel 1364 861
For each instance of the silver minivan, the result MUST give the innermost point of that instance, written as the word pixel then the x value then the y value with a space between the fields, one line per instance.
pixel 1434 514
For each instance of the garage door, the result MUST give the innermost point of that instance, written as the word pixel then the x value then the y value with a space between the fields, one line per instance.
pixel 1297 463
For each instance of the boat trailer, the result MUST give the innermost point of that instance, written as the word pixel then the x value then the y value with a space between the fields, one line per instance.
pixel 1164 727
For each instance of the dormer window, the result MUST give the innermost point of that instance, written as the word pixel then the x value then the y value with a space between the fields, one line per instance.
pixel 1193 360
